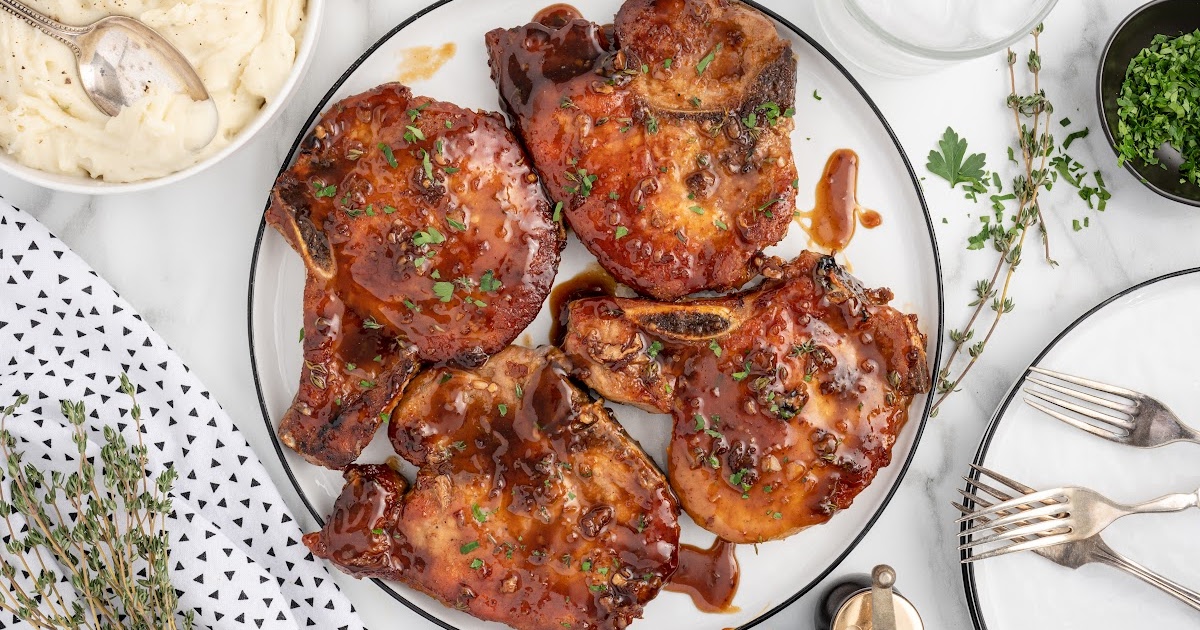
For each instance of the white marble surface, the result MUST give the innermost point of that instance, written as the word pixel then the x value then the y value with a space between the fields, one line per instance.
pixel 181 255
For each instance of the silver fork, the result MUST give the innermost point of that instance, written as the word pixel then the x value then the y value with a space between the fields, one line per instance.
pixel 1076 512
pixel 1131 418
pixel 1071 554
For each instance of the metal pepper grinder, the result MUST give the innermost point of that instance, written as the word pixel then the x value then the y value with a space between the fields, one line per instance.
pixel 862 602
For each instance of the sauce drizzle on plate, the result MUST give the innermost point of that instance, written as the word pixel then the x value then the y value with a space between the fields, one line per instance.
pixel 709 576
pixel 832 221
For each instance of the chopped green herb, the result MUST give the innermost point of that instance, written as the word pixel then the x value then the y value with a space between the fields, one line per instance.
pixel 430 236
pixel 1072 137
pixel 413 134
pixel 558 212
pixel 654 349
pixel 741 376
pixel 621 232
pixel 414 114
pixel 324 191
pixel 488 282
pixel 443 290
pixel 503 410
pixel 469 547
pixel 476 563
pixel 720 224
pixel 371 324
pixel 667 63
pixel 479 514
pixel 388 155
pixel 715 347
pixel 708 59
pixel 385 417
pixel 378 531
pixel 697 209
pixel 816 96
pixel 461 227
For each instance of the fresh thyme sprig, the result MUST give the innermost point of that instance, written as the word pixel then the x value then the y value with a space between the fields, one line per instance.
pixel 106 534
pixel 1031 116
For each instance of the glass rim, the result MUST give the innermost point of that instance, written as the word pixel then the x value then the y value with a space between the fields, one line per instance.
pixel 871 25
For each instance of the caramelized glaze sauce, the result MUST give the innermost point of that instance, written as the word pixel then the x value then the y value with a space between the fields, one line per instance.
pixel 785 400
pixel 420 63
pixel 709 576
pixel 591 282
pixel 832 221
pixel 557 15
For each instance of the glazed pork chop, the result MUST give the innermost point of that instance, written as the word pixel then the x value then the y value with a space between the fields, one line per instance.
pixel 531 507
pixel 786 399
pixel 666 137
pixel 426 237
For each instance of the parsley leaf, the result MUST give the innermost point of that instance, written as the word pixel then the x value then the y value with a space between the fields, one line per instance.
pixel 443 290
pixel 950 164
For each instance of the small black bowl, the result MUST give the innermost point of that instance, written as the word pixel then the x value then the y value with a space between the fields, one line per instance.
pixel 1165 17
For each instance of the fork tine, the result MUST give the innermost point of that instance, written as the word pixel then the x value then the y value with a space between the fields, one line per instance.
pixel 1031 500
pixel 1083 411
pixel 1078 424
pixel 1029 529
pixel 999 495
pixel 1095 400
pixel 1052 511
pixel 1011 483
pixel 1031 544
pixel 1104 387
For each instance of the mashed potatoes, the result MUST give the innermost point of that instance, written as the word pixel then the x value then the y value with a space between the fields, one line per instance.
pixel 243 51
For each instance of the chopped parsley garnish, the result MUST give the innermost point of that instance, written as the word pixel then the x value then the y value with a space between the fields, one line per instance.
pixel 461 227
pixel 469 547
pixel 583 180
pixel 413 134
pixel 720 224
pixel 697 209
pixel 350 367
pixel 414 114
pixel 443 290
pixel 586 565
pixel 428 165
pixel 430 236
pixel 488 283
pixel 816 96
pixel 621 232
pixel 365 384
pixel 388 210
pixel 694 101
pixel 558 212
pixel 389 155
pixel 504 412
pixel 654 349
pixel 371 324
pixel 715 347
pixel 385 417
pixel 324 191
pixel 741 376
pixel 378 531
pixel 479 514
pixel 667 63
pixel 651 124
pixel 708 59
pixel 476 563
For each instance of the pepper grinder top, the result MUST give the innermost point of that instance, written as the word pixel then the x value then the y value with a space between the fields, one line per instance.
pixel 868 603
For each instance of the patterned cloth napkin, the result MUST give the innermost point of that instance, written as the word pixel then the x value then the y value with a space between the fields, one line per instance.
pixel 236 554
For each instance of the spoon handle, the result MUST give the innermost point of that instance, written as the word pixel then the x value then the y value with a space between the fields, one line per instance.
pixel 53 28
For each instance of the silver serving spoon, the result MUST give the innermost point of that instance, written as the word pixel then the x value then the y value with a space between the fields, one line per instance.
pixel 119 58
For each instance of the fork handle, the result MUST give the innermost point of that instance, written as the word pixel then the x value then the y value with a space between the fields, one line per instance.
pixel 1176 590
pixel 1169 503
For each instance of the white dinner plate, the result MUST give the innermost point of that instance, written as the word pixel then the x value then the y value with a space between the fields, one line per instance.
pixel 1144 339
pixel 900 254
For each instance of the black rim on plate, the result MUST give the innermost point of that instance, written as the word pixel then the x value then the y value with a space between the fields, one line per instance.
pixel 937 354
pixel 968 570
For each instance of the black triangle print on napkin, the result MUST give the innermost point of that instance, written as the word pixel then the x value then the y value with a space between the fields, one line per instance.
pixel 66 334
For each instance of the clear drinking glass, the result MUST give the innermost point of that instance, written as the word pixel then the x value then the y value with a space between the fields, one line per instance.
pixel 911 37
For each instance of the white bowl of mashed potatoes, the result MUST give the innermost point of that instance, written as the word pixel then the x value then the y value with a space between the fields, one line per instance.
pixel 250 56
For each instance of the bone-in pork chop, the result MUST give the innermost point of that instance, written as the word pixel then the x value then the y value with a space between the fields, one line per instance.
pixel 531 506
pixel 426 237
pixel 786 399
pixel 666 137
